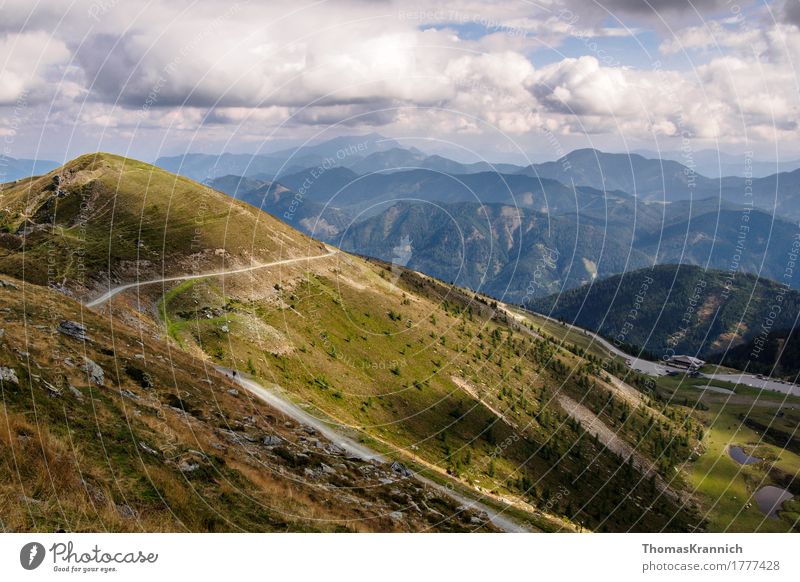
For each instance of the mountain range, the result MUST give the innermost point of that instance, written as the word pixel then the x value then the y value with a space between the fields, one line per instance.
pixel 377 394
pixel 515 236
pixel 128 293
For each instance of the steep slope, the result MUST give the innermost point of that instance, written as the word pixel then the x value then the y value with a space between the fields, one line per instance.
pixel 506 252
pixel 437 378
pixel 104 428
pixel 517 254
pixel 776 354
pixel 455 386
pixel 103 218
pixel 677 309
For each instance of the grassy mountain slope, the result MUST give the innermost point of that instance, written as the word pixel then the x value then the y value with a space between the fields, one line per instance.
pixel 439 378
pixel 103 218
pixel 120 432
pixel 456 386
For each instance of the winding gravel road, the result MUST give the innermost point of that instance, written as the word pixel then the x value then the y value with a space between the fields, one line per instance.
pixel 658 369
pixel 115 290
pixel 293 411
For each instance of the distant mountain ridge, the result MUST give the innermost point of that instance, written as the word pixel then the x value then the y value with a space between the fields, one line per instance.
pixel 715 163
pixel 378 158
pixel 669 181
pixel 12 169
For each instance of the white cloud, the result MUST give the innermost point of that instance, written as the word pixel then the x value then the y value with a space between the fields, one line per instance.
pixel 258 68
pixel 26 57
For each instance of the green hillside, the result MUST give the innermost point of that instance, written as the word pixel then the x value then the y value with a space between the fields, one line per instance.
pixel 677 308
pixel 105 429
pixel 103 218
pixel 460 388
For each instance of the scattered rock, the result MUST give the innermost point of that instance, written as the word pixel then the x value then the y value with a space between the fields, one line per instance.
pixel 94 491
pixel 396 515
pixel 233 392
pixel 8 285
pixel 73 329
pixel 272 440
pixel 187 466
pixel 126 511
pixel 75 392
pixel 401 469
pixel 52 390
pixel 334 450
pixel 147 449
pixel 327 469
pixel 94 371
pixel 8 375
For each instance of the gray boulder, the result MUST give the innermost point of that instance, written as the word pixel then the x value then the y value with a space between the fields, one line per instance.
pixel 72 329
pixel 272 440
pixel 401 469
pixel 8 375
pixel 94 371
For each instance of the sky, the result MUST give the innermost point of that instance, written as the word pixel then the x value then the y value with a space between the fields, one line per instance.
pixel 497 80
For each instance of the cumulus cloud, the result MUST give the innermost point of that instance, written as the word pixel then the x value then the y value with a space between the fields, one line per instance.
pixel 28 57
pixel 254 68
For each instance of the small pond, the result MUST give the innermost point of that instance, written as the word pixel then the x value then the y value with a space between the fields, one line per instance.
pixel 770 499
pixel 738 455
